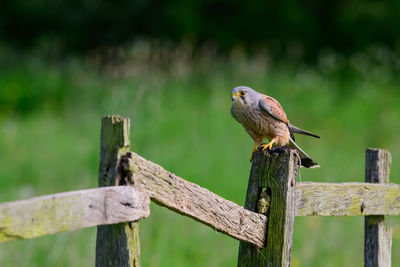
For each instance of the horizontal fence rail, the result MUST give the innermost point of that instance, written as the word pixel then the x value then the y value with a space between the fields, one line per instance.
pixel 312 199
pixel 79 209
pixel 265 224
pixel 71 211
pixel 347 199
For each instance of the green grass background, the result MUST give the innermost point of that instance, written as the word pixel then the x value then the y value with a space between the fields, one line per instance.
pixel 50 117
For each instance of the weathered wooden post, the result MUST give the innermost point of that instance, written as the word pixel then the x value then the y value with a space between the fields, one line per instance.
pixel 271 188
pixel 117 244
pixel 378 237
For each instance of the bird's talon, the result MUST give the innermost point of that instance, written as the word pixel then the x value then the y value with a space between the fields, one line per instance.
pixel 266 146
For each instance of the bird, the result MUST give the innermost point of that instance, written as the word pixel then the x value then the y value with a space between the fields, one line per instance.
pixel 263 117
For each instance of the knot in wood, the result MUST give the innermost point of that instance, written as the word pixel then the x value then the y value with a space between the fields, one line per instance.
pixel 263 203
pixel 126 169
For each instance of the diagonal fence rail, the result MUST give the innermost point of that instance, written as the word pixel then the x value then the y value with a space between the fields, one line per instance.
pixel 132 180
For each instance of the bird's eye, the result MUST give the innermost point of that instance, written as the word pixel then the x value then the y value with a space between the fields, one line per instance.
pixel 242 93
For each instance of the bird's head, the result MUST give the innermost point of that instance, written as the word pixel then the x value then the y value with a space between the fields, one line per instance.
pixel 243 95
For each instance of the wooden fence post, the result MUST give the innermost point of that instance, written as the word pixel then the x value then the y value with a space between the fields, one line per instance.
pixel 377 237
pixel 272 176
pixel 117 244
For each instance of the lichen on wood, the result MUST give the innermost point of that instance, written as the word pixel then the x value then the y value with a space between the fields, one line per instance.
pixel 189 199
pixel 71 211
pixel 116 245
pixel 377 237
pixel 276 173
pixel 347 199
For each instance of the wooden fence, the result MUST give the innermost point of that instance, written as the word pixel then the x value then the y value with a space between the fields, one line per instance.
pixel 264 226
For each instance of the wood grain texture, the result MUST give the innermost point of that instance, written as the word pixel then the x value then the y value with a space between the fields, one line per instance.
pixel 274 173
pixel 186 198
pixel 118 244
pixel 377 237
pixel 71 211
pixel 248 253
pixel 280 180
pixel 347 199
pixel 312 199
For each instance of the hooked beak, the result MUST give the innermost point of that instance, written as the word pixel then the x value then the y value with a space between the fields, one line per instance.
pixel 235 96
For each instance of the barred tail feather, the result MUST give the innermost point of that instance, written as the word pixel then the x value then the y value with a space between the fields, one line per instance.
pixel 306 160
pixel 295 129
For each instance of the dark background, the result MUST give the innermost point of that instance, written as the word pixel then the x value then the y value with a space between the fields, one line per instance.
pixel 170 66
pixel 303 26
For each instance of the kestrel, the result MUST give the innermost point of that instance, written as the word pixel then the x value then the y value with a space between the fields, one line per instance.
pixel 263 117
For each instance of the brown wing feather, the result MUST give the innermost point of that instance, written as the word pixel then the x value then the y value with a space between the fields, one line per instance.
pixel 273 106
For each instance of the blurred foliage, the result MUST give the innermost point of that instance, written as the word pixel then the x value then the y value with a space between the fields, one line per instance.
pixel 169 66
pixel 179 102
pixel 25 87
pixel 293 28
